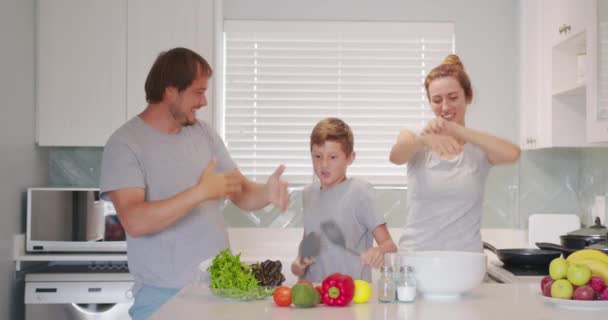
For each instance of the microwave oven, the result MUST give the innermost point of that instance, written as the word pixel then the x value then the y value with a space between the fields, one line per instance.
pixel 72 220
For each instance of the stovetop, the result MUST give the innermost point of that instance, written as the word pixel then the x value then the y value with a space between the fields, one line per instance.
pixel 527 270
pixel 510 274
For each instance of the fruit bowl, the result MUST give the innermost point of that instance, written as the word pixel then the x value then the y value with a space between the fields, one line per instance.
pixel 256 294
pixel 446 274
pixel 577 304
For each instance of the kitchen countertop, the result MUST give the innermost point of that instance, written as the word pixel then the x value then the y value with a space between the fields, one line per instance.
pixel 488 301
pixel 259 246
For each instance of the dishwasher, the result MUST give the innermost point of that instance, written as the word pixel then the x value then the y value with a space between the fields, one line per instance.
pixel 79 292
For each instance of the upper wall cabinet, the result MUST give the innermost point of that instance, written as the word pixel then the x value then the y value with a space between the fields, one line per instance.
pixel 80 71
pixel 559 95
pixel 93 58
pixel 597 117
pixel 157 25
pixel 532 132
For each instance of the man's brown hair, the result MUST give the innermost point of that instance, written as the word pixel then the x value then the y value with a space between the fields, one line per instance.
pixel 177 68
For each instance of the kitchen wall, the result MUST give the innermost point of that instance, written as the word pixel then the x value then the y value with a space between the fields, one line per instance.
pixel 495 84
pixel 22 164
pixel 562 180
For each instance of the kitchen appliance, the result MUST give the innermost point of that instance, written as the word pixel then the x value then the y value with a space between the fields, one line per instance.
pixel 72 220
pixel 578 239
pixel 79 292
pixel 567 251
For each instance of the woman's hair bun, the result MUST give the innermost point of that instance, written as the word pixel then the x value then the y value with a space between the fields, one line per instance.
pixel 453 59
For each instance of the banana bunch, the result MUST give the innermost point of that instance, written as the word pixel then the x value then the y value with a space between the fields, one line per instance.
pixel 596 260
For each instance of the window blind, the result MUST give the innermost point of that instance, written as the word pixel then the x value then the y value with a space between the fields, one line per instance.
pixel 281 78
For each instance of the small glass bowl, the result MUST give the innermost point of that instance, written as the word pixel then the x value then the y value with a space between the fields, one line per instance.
pixel 234 294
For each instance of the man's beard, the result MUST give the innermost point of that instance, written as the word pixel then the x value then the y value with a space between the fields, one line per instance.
pixel 181 117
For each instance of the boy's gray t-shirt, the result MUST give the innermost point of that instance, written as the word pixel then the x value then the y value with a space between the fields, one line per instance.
pixel 139 156
pixel 351 205
pixel 445 200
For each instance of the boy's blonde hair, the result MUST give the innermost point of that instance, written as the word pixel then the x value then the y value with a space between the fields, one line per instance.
pixel 333 129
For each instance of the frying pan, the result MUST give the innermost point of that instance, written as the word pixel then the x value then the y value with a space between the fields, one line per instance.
pixel 524 257
pixel 567 251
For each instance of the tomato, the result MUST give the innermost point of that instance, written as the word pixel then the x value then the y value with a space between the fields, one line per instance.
pixel 282 296
pixel 306 282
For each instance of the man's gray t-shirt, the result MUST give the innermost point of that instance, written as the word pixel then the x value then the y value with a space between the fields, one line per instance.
pixel 445 201
pixel 350 204
pixel 139 156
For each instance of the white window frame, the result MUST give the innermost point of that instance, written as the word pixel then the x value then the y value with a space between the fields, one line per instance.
pixel 398 28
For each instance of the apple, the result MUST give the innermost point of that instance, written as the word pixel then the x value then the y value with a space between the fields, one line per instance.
pixel 558 268
pixel 584 293
pixel 543 282
pixel 604 295
pixel 547 288
pixel 579 274
pixel 561 289
pixel 597 284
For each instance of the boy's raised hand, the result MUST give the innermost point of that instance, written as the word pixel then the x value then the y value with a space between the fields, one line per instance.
pixel 374 257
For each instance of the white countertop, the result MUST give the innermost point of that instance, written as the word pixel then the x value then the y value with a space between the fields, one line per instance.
pixel 488 301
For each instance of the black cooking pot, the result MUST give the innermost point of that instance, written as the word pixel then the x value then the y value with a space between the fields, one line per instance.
pixel 584 237
pixel 593 237
pixel 567 251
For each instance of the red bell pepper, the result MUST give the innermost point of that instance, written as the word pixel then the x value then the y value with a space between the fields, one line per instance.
pixel 338 289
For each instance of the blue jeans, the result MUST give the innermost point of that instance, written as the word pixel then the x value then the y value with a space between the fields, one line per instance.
pixel 149 299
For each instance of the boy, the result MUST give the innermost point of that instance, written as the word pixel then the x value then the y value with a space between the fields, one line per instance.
pixel 348 201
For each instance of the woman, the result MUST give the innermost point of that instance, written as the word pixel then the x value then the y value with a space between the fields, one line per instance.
pixel 447 166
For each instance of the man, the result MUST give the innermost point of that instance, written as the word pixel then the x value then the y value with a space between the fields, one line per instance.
pixel 167 174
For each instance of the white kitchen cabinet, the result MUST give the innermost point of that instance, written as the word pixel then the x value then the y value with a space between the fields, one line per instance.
pixel 568 29
pixel 80 71
pixel 532 129
pixel 558 94
pixel 93 58
pixel 157 25
pixel 564 18
pixel 597 115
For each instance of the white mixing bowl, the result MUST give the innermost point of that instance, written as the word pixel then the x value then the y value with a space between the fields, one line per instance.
pixel 446 274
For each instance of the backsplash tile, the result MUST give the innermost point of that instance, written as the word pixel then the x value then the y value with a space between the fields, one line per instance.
pixel 74 167
pixel 562 180
pixel 594 174
pixel 551 181
pixel 548 181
